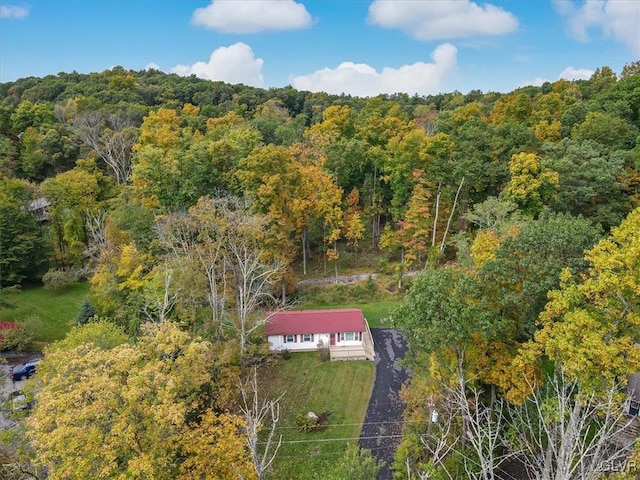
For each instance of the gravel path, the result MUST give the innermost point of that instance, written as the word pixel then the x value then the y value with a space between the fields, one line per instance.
pixel 339 279
pixel 383 421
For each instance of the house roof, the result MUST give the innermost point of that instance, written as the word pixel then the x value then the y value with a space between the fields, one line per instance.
pixel 315 321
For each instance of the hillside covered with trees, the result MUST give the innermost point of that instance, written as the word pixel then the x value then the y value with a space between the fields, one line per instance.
pixel 193 207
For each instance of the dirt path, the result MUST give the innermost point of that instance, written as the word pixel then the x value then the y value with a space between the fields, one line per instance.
pixel 382 429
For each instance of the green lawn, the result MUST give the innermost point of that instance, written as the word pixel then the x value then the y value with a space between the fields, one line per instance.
pixel 56 309
pixel 343 388
pixel 376 313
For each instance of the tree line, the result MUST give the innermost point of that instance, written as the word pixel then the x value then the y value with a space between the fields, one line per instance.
pixel 200 204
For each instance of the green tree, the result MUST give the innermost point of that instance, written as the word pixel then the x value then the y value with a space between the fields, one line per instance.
pixel 158 173
pixel 527 264
pixel 75 196
pixel 101 334
pixel 590 181
pixel 608 130
pixel 355 464
pixel 442 314
pixel 23 247
pixel 32 158
pixel 408 154
pixel 117 285
pixel 591 323
pixel 87 311
pixel 29 114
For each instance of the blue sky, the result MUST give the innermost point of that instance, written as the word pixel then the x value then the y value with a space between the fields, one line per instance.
pixel 357 47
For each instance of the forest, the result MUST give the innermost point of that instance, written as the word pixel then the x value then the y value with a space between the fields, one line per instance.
pixel 509 223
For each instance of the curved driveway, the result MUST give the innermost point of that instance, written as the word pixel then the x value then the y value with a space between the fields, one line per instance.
pixel 382 427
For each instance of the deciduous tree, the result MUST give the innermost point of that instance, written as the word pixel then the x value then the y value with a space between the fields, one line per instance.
pixel 530 185
pixel 111 136
pixel 590 324
pixel 135 411
pixel 22 240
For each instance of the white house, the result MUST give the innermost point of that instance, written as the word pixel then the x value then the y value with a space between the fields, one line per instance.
pixel 345 332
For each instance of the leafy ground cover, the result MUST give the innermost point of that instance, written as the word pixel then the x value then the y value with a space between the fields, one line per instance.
pixel 308 384
pixel 56 309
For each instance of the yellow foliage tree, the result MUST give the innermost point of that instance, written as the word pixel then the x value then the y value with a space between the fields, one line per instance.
pixel 531 185
pixel 117 284
pixel 484 247
pixel 129 412
pixel 591 324
pixel 353 229
pixel 216 449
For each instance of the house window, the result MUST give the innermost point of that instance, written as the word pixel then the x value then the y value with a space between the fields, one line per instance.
pixel 348 336
pixel 307 337
pixel 289 338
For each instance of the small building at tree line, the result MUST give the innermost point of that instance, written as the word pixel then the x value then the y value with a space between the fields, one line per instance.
pixel 345 332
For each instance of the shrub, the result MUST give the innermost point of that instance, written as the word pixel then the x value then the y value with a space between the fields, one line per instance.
pixel 310 422
pixel 286 354
pixel 57 278
pixel 324 351
pixel 341 293
pixel 21 334
pixel 5 329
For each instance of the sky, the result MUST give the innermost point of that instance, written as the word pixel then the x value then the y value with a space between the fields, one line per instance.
pixel 357 47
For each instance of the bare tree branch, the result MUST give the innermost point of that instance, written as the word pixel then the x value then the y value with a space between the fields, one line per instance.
pixel 564 433
pixel 453 209
pixel 112 136
pixel 258 413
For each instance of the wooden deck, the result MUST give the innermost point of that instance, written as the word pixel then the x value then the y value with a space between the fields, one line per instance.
pixel 347 353
pixel 358 352
pixel 628 434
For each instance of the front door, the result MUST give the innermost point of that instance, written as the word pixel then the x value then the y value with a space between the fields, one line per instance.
pixel 332 339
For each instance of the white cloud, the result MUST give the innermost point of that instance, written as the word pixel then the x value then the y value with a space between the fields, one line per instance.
pixel 362 80
pixel 536 82
pixel 618 19
pixel 445 19
pixel 252 16
pixel 233 64
pixel 152 66
pixel 12 11
pixel 571 73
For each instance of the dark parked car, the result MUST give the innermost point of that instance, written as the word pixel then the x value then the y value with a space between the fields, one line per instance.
pixel 27 369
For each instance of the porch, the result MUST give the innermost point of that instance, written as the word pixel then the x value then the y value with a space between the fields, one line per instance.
pixel 364 351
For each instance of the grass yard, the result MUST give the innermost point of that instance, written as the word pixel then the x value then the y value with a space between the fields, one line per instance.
pixel 374 297
pixel 376 313
pixel 343 388
pixel 56 309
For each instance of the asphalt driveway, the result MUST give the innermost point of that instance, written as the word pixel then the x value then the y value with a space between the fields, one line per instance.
pixel 7 385
pixel 382 429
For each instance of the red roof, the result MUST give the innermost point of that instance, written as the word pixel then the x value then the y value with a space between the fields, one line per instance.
pixel 315 321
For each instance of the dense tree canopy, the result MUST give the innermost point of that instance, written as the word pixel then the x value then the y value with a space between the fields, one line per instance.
pixel 137 411
pixel 202 203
